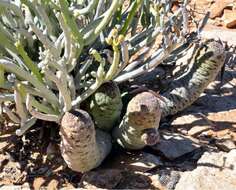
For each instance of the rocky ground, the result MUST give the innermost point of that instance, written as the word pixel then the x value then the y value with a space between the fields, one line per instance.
pixel 197 149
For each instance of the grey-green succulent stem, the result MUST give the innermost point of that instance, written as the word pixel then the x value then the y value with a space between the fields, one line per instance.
pixel 39 115
pixel 71 86
pixel 11 115
pixel 115 64
pixel 13 68
pixel 31 5
pixel 92 4
pixel 82 72
pixel 87 31
pixel 98 9
pixel 125 58
pixel 50 61
pixel 43 108
pixel 141 35
pixel 28 62
pixel 5 32
pixel 10 19
pixel 70 21
pixel 99 81
pixel 87 93
pixel 134 7
pixel 26 126
pixel 17 59
pixel 72 61
pixel 161 54
pixel 48 44
pixel 7 44
pixel 24 33
pixel 44 39
pixel 62 87
pixel 59 42
pixel 24 89
pixel 106 19
pixel 207 63
pixel 125 52
pixel 20 109
pixel 67 35
pixel 2 76
pixel 145 42
pixel 17 10
pixel 44 17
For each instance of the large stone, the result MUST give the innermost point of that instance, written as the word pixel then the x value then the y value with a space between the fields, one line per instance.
pixel 215 171
pixel 174 145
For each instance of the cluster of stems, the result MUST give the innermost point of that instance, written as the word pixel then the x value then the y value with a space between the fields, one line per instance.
pixel 55 54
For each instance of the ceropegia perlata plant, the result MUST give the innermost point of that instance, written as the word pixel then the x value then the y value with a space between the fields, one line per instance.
pixel 55 54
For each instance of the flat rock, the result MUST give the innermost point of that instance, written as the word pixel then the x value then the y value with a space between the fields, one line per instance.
pixel 225 144
pixel 165 179
pixel 217 8
pixel 220 126
pixel 191 124
pixel 215 170
pixel 174 145
pixel 229 18
pixel 25 186
pixel 214 32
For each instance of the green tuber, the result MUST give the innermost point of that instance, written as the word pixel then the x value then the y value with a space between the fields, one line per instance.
pixel 139 125
pixel 105 106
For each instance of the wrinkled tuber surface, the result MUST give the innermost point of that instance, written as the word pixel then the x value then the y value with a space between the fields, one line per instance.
pixel 207 62
pixel 140 123
pixel 82 147
pixel 105 106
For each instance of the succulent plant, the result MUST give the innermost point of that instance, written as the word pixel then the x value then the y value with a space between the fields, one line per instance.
pixel 83 148
pixel 56 54
pixel 207 60
pixel 105 106
pixel 139 126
